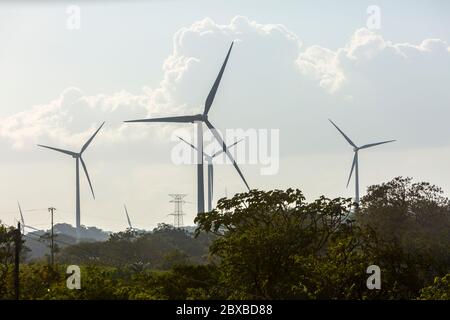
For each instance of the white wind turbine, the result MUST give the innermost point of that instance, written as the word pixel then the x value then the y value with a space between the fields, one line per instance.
pixel 355 159
pixel 22 221
pixel 78 158
pixel 209 161
pixel 199 119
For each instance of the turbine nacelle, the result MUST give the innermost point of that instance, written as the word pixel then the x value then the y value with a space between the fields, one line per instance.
pixel 199 117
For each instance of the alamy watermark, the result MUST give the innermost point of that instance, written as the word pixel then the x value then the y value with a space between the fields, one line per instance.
pixel 73 21
pixel 374 19
pixel 374 280
pixel 74 279
pixel 250 146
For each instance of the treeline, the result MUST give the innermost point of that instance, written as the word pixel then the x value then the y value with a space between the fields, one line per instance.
pixel 267 245
pixel 160 249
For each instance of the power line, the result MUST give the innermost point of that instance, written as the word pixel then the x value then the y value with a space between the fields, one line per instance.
pixel 92 253
pixel 27 210
pixel 96 253
pixel 36 237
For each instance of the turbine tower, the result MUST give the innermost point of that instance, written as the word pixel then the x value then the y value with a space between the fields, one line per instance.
pixel 78 158
pixel 199 119
pixel 209 160
pixel 355 159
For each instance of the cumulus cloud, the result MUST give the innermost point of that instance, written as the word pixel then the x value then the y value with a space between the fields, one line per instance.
pixel 70 118
pixel 271 70
pixel 375 59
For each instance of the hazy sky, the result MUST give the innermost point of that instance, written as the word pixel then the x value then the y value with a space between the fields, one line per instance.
pixel 294 65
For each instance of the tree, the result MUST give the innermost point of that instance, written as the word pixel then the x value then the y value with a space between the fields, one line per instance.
pixel 411 227
pixel 7 240
pixel 275 245
pixel 439 290
pixel 267 240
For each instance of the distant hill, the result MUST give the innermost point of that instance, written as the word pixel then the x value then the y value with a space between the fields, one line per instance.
pixel 65 235
pixel 38 242
pixel 160 248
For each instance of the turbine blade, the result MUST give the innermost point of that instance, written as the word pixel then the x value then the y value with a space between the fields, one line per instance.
pixel 87 176
pixel 22 220
pixel 32 228
pixel 224 147
pixel 70 153
pixel 230 146
pixel 128 217
pixel 193 147
pixel 212 93
pixel 351 171
pixel 346 138
pixel 188 143
pixel 180 119
pixel 90 139
pixel 375 144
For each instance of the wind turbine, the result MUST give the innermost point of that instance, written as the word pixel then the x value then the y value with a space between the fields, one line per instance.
pixel 130 227
pixel 209 160
pixel 22 221
pixel 199 119
pixel 355 159
pixel 78 158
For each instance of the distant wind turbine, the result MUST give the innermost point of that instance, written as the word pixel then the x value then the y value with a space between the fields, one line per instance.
pixel 199 119
pixel 355 159
pixel 22 221
pixel 78 158
pixel 130 226
pixel 209 160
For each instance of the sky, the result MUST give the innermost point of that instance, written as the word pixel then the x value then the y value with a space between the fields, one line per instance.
pixel 379 69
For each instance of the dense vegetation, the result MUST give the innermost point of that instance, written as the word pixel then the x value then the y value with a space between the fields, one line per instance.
pixel 265 245
pixel 160 249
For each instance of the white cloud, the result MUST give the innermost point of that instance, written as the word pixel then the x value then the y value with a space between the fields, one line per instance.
pixel 373 88
pixel 369 55
pixel 271 70
pixel 71 118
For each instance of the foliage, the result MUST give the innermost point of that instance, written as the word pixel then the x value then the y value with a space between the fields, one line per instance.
pixel 264 237
pixel 439 290
pixel 162 248
pixel 411 232
pixel 276 245
pixel 264 245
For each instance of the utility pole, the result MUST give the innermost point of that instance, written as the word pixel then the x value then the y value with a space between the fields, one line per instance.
pixel 52 256
pixel 17 247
